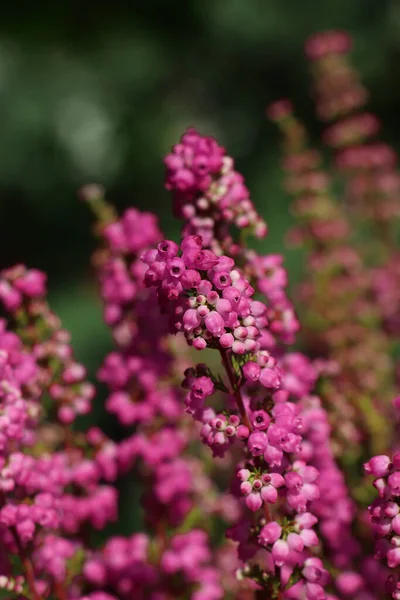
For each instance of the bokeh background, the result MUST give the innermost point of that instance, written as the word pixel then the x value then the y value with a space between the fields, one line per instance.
pixel 100 92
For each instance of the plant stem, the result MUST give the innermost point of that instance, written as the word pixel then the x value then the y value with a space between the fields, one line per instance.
pixel 60 591
pixel 235 389
pixel 28 566
pixel 267 513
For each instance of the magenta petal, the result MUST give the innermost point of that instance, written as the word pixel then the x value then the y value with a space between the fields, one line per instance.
pixel 280 551
pixel 269 494
pixel 253 501
pixel 246 487
pixel 277 480
pixel 310 491
pixel 295 542
pixel 309 537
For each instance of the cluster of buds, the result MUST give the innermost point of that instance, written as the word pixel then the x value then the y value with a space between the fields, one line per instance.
pixel 223 316
pixel 208 193
pixel 385 514
pixel 369 166
pixel 23 295
pixel 126 566
pixel 207 298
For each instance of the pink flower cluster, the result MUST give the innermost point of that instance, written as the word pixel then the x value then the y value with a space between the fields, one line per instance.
pixel 385 514
pixel 251 480
pixel 208 193
pixel 125 566
pixel 269 434
pixel 69 390
pixel 211 303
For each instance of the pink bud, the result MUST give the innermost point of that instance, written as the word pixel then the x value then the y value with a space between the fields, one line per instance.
pixel 270 378
pixel 295 542
pixel 270 533
pixel 190 279
pixel 242 432
pixel 393 558
pixel 33 283
pixel 257 443
pixel 258 309
pixel 309 537
pixel 240 333
pixel 221 280
pixel 238 347
pixel 392 509
pixel 246 487
pixel 191 319
pixel 251 371
pixel 378 466
pixel 223 307
pixel 260 420
pixel 280 551
pixel 226 340
pixel 66 415
pixel 253 501
pixel 349 583
pixel 276 480
pixel 244 474
pixel 396 524
pixel 394 483
pixel 199 343
pixel 380 486
pixel 269 494
pixel 95 572
pixel 213 297
pixel 215 323
pixel 306 520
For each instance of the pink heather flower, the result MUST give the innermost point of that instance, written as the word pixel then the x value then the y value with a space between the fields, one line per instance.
pixel 10 297
pixel 271 378
pixel 191 319
pixel 251 371
pixel 260 420
pixel 270 533
pixel 393 558
pixel 219 433
pixel 243 432
pixel 378 466
pixel 201 260
pixel 50 497
pixel 295 542
pixel 218 311
pixel 253 501
pixel 349 583
pixel 226 340
pixel 259 490
pixel 280 552
pixel 202 387
pixel 322 44
pixel 394 483
pixel 395 524
pixel 257 443
pixel 207 190
pixel 215 323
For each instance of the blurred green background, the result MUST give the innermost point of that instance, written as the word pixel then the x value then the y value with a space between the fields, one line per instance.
pixel 100 92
